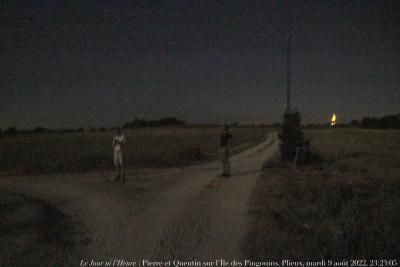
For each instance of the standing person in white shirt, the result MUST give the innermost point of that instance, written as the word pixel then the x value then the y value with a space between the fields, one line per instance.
pixel 118 144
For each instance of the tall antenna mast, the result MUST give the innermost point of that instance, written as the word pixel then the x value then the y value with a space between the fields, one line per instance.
pixel 288 74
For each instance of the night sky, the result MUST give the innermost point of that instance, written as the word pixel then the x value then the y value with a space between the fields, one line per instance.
pixel 95 63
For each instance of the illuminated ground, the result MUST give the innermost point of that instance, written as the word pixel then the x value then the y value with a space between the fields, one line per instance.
pixel 181 213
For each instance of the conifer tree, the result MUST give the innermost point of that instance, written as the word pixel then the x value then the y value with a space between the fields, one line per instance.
pixel 291 135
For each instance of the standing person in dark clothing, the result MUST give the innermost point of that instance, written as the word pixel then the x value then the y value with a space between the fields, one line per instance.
pixel 226 138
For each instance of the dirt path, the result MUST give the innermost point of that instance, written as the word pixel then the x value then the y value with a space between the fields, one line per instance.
pixel 201 216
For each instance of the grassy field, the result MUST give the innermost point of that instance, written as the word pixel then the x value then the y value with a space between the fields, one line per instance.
pixel 345 207
pixel 47 153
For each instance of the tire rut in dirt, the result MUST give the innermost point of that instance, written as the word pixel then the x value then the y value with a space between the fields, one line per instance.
pixel 191 228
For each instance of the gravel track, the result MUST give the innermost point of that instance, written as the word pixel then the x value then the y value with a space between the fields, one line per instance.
pixel 200 216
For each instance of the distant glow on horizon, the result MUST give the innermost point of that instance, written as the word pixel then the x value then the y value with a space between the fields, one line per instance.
pixel 333 120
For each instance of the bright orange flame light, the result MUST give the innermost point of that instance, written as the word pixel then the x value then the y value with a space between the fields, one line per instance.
pixel 333 120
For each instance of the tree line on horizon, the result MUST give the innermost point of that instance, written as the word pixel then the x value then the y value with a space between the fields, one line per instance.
pixel 170 121
pixel 384 122
pixel 137 123
pixel 14 131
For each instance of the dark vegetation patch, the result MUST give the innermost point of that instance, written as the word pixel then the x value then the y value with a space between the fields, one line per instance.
pixel 34 233
pixel 191 155
pixel 51 153
pixel 346 206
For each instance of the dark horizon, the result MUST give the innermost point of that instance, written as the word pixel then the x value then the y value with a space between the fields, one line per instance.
pixel 99 64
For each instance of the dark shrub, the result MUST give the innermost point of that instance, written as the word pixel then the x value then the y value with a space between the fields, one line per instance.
pixel 291 135
pixel 10 131
pixel 40 129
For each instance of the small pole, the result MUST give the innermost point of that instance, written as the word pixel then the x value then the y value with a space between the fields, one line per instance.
pixel 288 73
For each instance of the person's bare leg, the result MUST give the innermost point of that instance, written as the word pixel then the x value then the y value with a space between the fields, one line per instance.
pixel 226 162
pixel 119 173
pixel 228 167
pixel 123 173
pixel 223 161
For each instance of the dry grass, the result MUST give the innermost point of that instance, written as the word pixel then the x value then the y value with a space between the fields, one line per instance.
pixel 344 208
pixel 34 233
pixel 150 147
